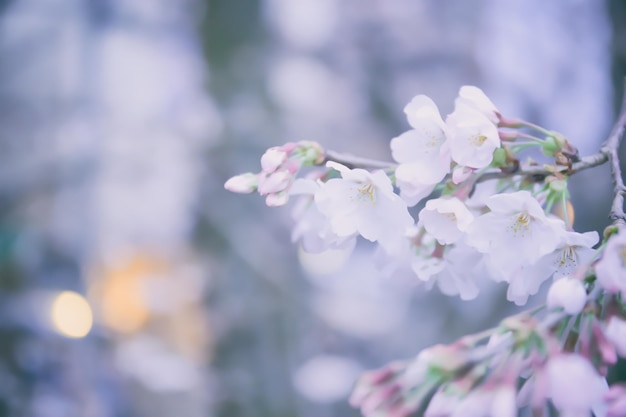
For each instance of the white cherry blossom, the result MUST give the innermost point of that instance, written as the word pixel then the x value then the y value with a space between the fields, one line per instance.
pixel 472 137
pixel 364 203
pixel 525 277
pixel 312 229
pixel 573 384
pixel 473 97
pixel 611 269
pixel 446 219
pixel 498 401
pixel 455 273
pixel 616 333
pixel 423 159
pixel 514 235
pixel 573 251
pixel 516 229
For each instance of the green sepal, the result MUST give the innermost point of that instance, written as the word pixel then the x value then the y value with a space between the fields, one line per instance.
pixel 499 157
pixel 550 146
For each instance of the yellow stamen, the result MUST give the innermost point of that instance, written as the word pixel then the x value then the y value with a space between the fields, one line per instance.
pixel 368 192
pixel 521 225
pixel 477 140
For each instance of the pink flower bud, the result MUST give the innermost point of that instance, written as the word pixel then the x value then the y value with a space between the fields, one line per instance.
pixel 274 182
pixel 574 384
pixel 272 159
pixel 615 398
pixel 616 333
pixel 244 183
pixel 277 199
pixel 460 174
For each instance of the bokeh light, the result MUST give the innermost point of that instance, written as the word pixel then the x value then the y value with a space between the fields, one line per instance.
pixel 71 315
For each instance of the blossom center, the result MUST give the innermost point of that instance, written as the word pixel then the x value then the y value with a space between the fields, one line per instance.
pixel 477 140
pixel 451 217
pixel 567 257
pixel 521 225
pixel 367 193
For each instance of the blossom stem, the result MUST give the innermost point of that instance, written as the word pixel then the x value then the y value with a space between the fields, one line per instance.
pixel 517 123
pixel 544 171
pixel 535 139
pixel 608 152
pixel 566 218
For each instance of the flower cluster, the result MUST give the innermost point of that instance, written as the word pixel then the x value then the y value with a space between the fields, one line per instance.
pixel 279 167
pixel 528 361
pixel 482 214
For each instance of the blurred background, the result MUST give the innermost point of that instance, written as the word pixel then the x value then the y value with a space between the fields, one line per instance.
pixel 133 284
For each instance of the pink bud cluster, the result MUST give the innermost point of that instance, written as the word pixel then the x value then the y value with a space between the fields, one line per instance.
pixel 279 168
pixel 523 363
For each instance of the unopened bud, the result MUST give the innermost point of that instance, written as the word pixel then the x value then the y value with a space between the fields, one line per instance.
pixel 244 183
pixel 550 146
pixel 272 159
pixel 274 182
pixel 569 294
pixel 616 333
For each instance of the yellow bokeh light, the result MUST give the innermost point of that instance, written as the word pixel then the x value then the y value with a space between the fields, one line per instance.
pixel 71 314
pixel 119 291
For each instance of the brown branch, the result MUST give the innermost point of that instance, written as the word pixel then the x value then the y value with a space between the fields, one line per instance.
pixel 608 152
pixel 542 171
pixel 610 148
pixel 352 161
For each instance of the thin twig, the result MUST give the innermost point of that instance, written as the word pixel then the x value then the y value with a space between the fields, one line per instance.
pixel 542 171
pixel 352 161
pixel 608 152
pixel 610 148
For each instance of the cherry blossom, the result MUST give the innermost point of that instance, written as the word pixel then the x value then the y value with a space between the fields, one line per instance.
pixel 516 228
pixel 421 154
pixel 364 203
pixel 474 98
pixel 573 384
pixel 446 219
pixel 313 229
pixel 573 251
pixel 488 219
pixel 279 168
pixel 472 137
pixel 616 333
pixel 526 277
pixel 615 399
pixel 482 402
pixel 456 272
pixel 611 269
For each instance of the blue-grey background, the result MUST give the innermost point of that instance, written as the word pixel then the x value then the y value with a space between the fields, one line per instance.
pixel 121 120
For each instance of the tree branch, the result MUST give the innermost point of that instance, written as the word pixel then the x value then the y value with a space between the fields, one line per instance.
pixel 610 148
pixel 585 162
pixel 352 161
pixel 608 152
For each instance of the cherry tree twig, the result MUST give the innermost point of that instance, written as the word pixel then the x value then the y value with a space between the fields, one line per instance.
pixel 610 148
pixel 352 161
pixel 608 152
